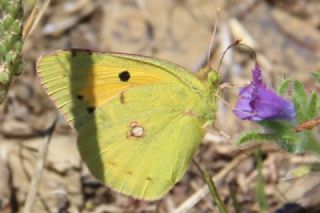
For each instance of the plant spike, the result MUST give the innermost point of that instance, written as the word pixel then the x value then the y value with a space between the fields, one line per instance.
pixel 11 25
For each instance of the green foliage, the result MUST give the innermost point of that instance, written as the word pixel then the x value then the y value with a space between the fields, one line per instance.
pixel 254 136
pixel 10 42
pixel 284 85
pixel 312 107
pixel 306 109
pixel 283 132
pixel 316 75
pixel 299 100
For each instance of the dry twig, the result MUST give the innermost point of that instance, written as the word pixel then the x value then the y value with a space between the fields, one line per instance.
pixel 196 197
pixel 36 179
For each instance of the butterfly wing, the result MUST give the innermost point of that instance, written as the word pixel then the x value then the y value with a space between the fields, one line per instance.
pixel 138 118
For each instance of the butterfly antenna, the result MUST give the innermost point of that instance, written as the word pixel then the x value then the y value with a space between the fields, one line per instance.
pixel 251 51
pixel 218 13
pixel 237 42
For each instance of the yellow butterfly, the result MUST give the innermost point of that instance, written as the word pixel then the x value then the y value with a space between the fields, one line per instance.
pixel 139 119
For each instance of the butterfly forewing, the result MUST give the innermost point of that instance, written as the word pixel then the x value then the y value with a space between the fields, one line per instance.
pixel 136 117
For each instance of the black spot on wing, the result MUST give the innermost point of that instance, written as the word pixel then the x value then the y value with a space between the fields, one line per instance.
pixel 79 97
pixel 74 53
pixel 91 110
pixel 124 76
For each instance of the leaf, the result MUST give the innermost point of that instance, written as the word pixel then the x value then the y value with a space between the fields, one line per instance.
pixel 311 143
pixel 311 111
pixel 278 127
pixel 284 86
pixel 299 172
pixel 290 143
pixel 254 136
pixel 317 76
pixel 283 134
pixel 299 92
pixel 300 100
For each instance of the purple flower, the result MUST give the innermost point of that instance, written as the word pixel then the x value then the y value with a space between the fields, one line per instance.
pixel 257 102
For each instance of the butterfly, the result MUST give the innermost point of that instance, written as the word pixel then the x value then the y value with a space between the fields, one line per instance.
pixel 139 119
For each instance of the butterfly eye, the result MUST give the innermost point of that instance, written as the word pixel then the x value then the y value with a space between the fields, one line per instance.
pixel 124 76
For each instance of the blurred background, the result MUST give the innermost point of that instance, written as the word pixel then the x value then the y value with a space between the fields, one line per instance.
pixel 286 37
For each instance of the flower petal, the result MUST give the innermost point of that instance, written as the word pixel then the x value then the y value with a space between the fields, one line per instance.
pixel 257 77
pixel 258 103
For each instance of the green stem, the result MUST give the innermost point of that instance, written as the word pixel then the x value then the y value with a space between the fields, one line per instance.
pixel 214 193
pixel 260 183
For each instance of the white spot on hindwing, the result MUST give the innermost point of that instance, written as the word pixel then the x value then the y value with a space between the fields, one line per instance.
pixel 135 130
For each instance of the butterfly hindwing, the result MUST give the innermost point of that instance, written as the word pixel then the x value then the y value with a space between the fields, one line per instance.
pixel 145 163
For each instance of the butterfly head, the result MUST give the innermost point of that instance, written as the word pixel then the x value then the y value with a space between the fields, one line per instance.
pixel 209 104
pixel 213 79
